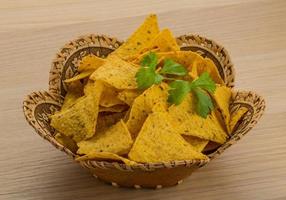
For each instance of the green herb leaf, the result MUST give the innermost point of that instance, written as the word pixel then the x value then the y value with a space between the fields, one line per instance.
pixel 204 82
pixel 178 90
pixel 150 60
pixel 173 68
pixel 145 77
pixel 158 78
pixel 204 103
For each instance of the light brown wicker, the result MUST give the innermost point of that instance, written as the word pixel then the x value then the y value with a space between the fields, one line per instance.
pixel 39 105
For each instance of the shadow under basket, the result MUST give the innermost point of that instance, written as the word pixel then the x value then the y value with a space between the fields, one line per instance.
pixel 38 106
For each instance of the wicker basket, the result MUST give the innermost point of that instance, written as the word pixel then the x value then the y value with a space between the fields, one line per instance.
pixel 39 105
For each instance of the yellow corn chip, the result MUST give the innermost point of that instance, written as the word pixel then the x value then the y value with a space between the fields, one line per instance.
pixel 109 97
pixel 235 117
pixel 115 139
pixel 66 142
pixel 128 96
pixel 116 108
pixel 189 122
pixel 106 156
pixel 222 97
pixel 75 91
pixel 90 62
pixel 143 105
pixel 79 121
pixel 106 120
pixel 117 73
pixel 140 39
pixel 197 143
pixel 80 76
pixel 158 141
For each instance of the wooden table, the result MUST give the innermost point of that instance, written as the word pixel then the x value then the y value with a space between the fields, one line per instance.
pixel 253 31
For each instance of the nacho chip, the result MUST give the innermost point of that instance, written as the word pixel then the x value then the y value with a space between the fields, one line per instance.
pixel 116 108
pixel 189 122
pixel 222 97
pixel 106 120
pixel 158 141
pixel 75 91
pixel 128 96
pixel 115 139
pixel 197 143
pixel 140 39
pixel 79 121
pixel 90 62
pixel 117 73
pixel 143 104
pixel 109 97
pixel 235 117
pixel 66 142
pixel 105 156
pixel 80 76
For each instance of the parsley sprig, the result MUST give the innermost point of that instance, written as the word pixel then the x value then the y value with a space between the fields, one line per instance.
pixel 148 74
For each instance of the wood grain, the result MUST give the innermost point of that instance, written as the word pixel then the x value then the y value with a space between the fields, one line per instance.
pixel 32 31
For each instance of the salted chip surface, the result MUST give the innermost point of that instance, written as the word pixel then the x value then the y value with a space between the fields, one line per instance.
pixel 189 122
pixel 80 76
pixel 74 91
pixel 158 141
pixel 90 62
pixel 128 96
pixel 235 117
pixel 222 97
pixel 115 139
pixel 105 156
pixel 143 104
pixel 109 97
pixel 140 39
pixel 79 121
pixel 66 142
pixel 197 143
pixel 117 73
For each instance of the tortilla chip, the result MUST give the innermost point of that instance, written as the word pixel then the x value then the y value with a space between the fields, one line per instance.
pixel 109 97
pixel 222 96
pixel 117 73
pixel 143 104
pixel 190 123
pixel 66 142
pixel 106 156
pixel 158 141
pixel 115 139
pixel 235 117
pixel 80 76
pixel 106 120
pixel 185 58
pixel 128 96
pixel 197 143
pixel 116 108
pixel 75 91
pixel 90 62
pixel 79 121
pixel 140 39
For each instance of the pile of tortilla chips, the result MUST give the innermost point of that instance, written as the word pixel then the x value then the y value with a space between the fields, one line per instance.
pixel 105 117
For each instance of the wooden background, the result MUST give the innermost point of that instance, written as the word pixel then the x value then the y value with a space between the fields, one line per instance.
pixel 31 32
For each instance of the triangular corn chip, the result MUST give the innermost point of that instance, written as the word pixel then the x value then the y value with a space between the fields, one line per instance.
pixel 109 97
pixel 106 156
pixel 115 139
pixel 128 96
pixel 235 117
pixel 79 121
pixel 75 91
pixel 90 62
pixel 66 142
pixel 140 39
pixel 80 76
pixel 197 143
pixel 117 73
pixel 158 141
pixel 143 105
pixel 190 123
